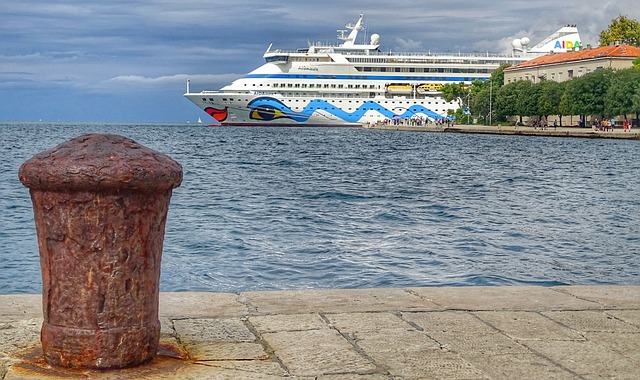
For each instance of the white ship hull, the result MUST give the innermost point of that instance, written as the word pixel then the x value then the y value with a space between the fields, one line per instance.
pixel 247 109
pixel 348 85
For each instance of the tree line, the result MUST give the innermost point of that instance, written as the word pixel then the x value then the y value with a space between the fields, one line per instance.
pixel 601 93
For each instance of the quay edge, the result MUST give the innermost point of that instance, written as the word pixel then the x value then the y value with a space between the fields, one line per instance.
pixel 513 130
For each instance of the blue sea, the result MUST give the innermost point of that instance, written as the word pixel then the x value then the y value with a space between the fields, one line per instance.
pixel 310 208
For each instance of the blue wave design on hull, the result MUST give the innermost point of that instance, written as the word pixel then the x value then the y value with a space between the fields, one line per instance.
pixel 267 108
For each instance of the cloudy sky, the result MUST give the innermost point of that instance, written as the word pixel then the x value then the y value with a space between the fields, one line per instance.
pixel 128 61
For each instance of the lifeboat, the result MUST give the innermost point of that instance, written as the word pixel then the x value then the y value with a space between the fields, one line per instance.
pixel 429 87
pixel 400 89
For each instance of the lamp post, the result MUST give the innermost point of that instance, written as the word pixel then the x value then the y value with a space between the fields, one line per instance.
pixel 490 99
pixel 468 105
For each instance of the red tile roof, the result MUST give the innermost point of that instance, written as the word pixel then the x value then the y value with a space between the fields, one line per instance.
pixel 621 51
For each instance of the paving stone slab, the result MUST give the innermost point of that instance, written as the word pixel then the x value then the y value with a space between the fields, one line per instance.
pixel 465 333
pixel 591 320
pixel 206 371
pixel 201 372
pixel 503 298
pixel 393 342
pixel 4 365
pixel 348 323
pixel 166 327
pixel 630 316
pixel 22 305
pixel 218 339
pixel 213 330
pixel 451 321
pixel 610 296
pixel 336 301
pixel 19 335
pixel 587 359
pixel 428 364
pixel 266 367
pixel 200 305
pixel 493 343
pixel 295 322
pixel 317 352
pixel 226 351
pixel 347 377
pixel 627 345
pixel 527 366
pixel 526 325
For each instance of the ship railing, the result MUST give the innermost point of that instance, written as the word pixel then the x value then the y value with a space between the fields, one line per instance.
pixel 396 54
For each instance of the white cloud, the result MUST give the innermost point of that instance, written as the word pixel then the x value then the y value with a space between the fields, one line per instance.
pixel 138 80
pixel 408 45
pixel 171 83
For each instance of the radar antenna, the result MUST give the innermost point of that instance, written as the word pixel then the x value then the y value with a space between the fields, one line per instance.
pixel 351 38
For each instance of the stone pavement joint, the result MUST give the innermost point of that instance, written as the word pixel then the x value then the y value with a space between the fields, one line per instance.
pixel 352 340
pixel 506 332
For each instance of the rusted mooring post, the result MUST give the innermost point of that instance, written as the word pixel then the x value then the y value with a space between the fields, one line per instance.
pixel 100 204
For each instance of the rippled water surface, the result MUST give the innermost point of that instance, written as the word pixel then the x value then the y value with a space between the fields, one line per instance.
pixel 296 208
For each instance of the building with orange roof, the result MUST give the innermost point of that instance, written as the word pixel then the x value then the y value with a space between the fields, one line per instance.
pixel 560 67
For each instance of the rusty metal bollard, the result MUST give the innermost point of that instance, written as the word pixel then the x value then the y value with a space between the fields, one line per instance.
pixel 100 204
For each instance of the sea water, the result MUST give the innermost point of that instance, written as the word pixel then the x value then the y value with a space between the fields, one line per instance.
pixel 301 208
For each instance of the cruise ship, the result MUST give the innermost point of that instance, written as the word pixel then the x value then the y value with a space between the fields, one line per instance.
pixel 354 83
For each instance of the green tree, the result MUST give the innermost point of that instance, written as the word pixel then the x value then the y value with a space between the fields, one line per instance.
pixel 506 98
pixel 549 100
pixel 480 102
pixel 458 92
pixel 527 98
pixel 621 29
pixel 635 101
pixel 621 92
pixel 588 92
pixel 458 115
pixel 497 76
pixel 569 98
pixel 484 92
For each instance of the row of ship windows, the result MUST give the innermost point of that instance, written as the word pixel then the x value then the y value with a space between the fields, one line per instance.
pixel 423 70
pixel 333 85
pixel 327 86
pixel 323 85
pixel 313 85
pixel 426 61
pixel 395 61
pixel 399 102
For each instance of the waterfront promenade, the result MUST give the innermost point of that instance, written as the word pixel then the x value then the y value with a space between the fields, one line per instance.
pixel 506 332
pixel 619 133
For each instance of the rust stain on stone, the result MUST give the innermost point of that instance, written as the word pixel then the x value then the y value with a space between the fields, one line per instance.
pixel 168 361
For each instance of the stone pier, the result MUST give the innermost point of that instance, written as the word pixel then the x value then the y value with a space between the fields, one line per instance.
pixel 505 332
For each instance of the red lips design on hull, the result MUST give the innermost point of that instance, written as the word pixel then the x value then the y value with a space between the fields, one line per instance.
pixel 219 115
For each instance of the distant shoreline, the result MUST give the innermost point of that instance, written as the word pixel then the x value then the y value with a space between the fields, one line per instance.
pixel 618 133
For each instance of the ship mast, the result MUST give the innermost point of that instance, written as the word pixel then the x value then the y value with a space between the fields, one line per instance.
pixel 351 38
